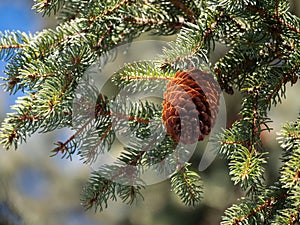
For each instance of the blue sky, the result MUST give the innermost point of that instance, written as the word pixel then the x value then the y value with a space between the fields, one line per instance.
pixel 16 15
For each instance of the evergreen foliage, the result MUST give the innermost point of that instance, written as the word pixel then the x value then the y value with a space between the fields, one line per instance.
pixel 263 40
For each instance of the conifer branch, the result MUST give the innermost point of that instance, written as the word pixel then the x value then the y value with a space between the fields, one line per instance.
pixel 290 76
pixel 187 184
pixel 62 146
pixel 267 204
pixel 212 26
pixel 262 57
pixel 185 9
pixel 278 17
pixel 114 8
pixel 289 26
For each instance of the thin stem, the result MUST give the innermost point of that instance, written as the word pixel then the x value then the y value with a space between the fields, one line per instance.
pixel 294 136
pixel 265 13
pixel 277 8
pixel 213 25
pixel 13 46
pixel 254 122
pixel 270 202
pixel 114 8
pixel 147 78
pixel 62 146
pixel 93 152
pixel 286 77
pixel 185 9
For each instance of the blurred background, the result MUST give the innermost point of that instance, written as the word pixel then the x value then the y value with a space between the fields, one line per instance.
pixel 38 189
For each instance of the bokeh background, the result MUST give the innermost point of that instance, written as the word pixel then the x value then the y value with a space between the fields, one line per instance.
pixel 38 189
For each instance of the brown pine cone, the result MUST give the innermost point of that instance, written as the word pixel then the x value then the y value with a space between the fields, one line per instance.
pixel 190 105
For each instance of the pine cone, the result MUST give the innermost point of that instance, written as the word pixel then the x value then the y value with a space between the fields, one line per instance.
pixel 190 105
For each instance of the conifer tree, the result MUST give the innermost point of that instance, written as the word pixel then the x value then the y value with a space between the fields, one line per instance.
pixel 262 58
